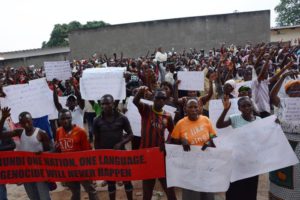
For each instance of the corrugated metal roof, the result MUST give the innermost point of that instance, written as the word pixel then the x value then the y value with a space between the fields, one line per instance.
pixel 284 27
pixel 32 52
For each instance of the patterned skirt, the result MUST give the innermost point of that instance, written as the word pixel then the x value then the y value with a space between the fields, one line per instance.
pixel 285 182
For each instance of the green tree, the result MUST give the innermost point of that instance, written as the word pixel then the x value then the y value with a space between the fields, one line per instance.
pixel 94 24
pixel 288 13
pixel 59 34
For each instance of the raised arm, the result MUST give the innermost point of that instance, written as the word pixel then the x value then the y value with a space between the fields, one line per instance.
pixel 5 114
pixel 177 101
pixel 56 102
pixel 80 101
pixel 262 75
pixel 139 95
pixel 206 98
pixel 275 100
pixel 2 93
pixel 7 144
pixel 275 78
pixel 8 134
pixel 221 123
pixel 259 58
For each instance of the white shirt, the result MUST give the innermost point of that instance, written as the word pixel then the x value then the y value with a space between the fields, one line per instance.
pixel 77 116
pixel 88 107
pixel 30 143
pixel 261 95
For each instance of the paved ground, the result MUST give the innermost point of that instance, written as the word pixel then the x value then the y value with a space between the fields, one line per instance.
pixel 17 192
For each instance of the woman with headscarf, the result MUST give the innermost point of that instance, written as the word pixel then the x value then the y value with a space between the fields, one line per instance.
pixel 228 88
pixel 285 183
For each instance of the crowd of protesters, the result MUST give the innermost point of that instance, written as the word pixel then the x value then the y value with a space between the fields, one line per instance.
pixel 154 77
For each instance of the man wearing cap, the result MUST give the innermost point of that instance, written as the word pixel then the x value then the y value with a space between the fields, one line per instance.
pixel 74 103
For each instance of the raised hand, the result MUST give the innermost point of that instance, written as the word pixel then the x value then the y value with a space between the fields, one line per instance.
pixel 5 112
pixel 226 102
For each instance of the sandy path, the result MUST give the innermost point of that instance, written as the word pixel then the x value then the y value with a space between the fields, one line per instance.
pixel 61 193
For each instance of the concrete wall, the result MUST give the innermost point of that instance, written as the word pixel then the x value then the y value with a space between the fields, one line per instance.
pixel 286 34
pixel 135 39
pixel 38 61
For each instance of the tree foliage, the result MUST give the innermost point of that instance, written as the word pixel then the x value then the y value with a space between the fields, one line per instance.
pixel 288 12
pixel 59 34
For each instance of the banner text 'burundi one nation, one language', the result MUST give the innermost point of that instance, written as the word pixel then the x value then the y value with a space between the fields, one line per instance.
pixel 93 165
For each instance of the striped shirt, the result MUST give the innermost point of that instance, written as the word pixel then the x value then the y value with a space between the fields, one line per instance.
pixel 153 126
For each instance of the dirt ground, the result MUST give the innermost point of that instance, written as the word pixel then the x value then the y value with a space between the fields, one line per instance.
pixel 61 193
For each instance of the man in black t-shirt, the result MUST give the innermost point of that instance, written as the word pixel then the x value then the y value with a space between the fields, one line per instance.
pixel 108 133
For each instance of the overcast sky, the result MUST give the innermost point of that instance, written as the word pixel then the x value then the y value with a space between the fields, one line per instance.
pixel 25 24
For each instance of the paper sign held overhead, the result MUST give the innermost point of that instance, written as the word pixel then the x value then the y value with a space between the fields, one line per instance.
pixel 60 70
pixel 97 82
pixel 32 97
pixel 191 80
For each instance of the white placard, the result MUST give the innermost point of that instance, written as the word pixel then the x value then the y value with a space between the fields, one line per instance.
pixel 32 97
pixel 97 82
pixel 89 71
pixel 291 109
pixel 203 171
pixel 62 101
pixel 60 70
pixel 215 110
pixel 191 80
pixel 134 116
pixel 258 147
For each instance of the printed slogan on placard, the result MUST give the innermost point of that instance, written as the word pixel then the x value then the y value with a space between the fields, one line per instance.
pixel 16 167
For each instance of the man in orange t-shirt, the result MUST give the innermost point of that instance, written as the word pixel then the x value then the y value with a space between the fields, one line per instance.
pixel 70 138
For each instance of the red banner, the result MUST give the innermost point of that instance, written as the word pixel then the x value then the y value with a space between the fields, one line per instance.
pixel 18 167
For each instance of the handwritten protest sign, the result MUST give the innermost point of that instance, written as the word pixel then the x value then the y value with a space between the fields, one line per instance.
pixel 258 147
pixel 134 116
pixel 97 82
pixel 60 70
pixel 32 97
pixel 215 110
pixel 191 80
pixel 19 167
pixel 291 109
pixel 203 171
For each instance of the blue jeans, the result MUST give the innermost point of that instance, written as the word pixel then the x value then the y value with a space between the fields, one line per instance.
pixel 3 192
pixel 37 191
